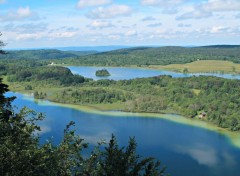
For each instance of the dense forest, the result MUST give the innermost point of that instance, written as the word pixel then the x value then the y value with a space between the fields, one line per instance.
pixel 54 74
pixel 102 72
pixel 217 97
pixel 140 56
pixel 46 54
pixel 143 56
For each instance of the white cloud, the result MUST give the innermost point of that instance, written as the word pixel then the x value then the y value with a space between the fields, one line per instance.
pixel 100 24
pixel 208 8
pixel 196 14
pixel 62 34
pixel 91 3
pixel 221 5
pixel 218 29
pixel 22 13
pixel 28 36
pixel 131 33
pixel 184 25
pixel 155 25
pixel 161 2
pixel 26 28
pixel 148 18
pixel 168 7
pixel 114 37
pixel 110 12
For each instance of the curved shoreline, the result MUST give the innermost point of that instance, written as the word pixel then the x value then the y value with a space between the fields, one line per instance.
pixel 234 137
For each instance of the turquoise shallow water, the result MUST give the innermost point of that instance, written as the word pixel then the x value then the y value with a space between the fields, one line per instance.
pixel 119 73
pixel 186 150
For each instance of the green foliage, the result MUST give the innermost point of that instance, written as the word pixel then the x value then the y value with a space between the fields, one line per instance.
pixel 1 45
pixel 185 70
pixel 157 56
pixel 91 95
pixel 53 74
pixel 102 72
pixel 132 56
pixel 45 54
pixel 21 154
pixel 218 97
pixel 116 161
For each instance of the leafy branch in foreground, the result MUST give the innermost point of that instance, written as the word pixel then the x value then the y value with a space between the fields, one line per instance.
pixel 21 154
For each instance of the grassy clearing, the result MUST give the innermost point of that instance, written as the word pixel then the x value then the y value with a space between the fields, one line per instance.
pixel 202 66
pixel 196 91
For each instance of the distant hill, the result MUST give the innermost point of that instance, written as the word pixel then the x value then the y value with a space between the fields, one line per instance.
pixel 222 46
pixel 159 55
pixel 133 56
pixel 92 48
pixel 44 54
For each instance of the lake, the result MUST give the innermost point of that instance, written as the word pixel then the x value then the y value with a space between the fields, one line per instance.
pixel 186 150
pixel 120 73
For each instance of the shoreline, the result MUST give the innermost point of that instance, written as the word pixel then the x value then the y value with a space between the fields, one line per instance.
pixel 234 137
pixel 178 68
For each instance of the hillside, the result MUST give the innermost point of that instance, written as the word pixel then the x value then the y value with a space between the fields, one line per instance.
pixel 159 56
pixel 43 54
pixel 140 56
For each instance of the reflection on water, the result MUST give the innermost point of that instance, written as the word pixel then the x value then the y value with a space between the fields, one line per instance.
pixel 210 157
pixel 203 154
pixel 186 150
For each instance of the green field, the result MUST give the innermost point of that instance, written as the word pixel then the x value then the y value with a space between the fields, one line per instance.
pixel 202 66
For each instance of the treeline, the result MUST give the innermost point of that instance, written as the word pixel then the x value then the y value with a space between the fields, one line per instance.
pixel 91 95
pixel 43 54
pixel 217 97
pixel 52 74
pixel 144 56
pixel 141 56
pixel 21 153
pixel 12 66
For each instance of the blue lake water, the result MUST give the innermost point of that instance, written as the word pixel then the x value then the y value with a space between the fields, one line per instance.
pixel 120 73
pixel 186 150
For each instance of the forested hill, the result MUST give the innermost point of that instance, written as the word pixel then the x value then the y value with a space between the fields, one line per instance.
pixel 140 56
pixel 44 54
pixel 159 56
pixel 222 46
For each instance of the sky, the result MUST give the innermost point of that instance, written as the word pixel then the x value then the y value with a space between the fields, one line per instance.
pixel 62 23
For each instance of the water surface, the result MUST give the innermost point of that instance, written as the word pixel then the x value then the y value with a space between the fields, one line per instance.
pixel 186 150
pixel 120 73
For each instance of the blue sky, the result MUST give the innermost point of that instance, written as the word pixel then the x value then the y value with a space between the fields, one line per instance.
pixel 56 23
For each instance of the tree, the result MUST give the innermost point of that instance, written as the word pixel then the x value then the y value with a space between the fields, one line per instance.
pixel 1 45
pixel 185 70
